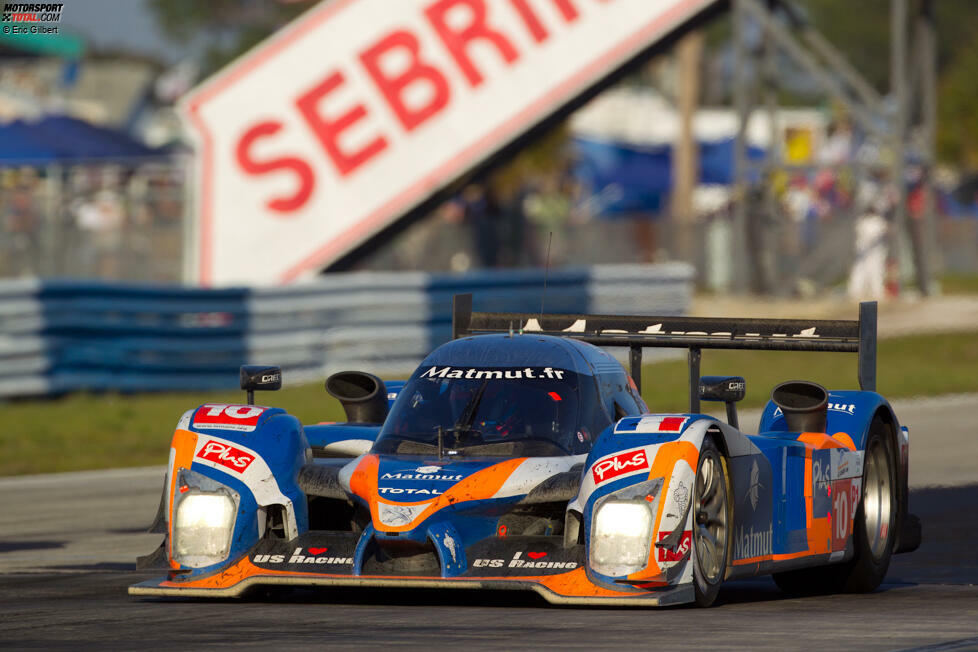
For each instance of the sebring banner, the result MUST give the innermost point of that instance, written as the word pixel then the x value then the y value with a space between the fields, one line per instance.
pixel 339 124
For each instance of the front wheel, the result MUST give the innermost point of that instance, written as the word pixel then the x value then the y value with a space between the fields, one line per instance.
pixel 711 523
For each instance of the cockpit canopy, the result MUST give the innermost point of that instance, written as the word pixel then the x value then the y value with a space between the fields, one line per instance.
pixel 532 411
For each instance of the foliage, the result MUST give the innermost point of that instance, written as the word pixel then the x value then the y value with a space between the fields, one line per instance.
pixel 861 31
pixel 85 431
pixel 228 27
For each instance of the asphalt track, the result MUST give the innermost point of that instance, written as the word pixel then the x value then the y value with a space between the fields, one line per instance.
pixel 67 544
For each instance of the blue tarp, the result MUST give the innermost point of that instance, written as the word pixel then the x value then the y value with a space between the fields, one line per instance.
pixel 638 179
pixel 60 139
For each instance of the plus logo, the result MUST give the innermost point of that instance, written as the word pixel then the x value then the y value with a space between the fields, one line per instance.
pixel 226 455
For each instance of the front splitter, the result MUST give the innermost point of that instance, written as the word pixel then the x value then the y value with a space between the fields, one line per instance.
pixel 162 587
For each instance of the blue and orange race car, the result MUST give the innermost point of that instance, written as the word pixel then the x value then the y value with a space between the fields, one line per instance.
pixel 520 455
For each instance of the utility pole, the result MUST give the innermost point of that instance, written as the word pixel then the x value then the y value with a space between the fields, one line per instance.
pixel 685 161
pixel 925 45
pixel 741 186
pixel 901 119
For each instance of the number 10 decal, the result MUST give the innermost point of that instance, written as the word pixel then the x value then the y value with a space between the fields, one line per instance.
pixel 845 500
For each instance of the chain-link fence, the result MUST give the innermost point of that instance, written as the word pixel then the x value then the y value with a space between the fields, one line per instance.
pixel 95 220
pixel 126 222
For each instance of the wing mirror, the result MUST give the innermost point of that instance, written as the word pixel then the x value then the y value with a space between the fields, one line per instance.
pixel 260 377
pixel 728 389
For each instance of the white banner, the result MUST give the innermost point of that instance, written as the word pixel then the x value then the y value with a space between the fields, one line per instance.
pixel 334 127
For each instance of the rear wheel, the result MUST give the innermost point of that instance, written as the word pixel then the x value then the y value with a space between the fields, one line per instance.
pixel 873 530
pixel 711 523
pixel 876 518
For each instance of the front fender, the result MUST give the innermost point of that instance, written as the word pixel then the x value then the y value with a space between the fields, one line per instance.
pixel 257 458
pixel 651 458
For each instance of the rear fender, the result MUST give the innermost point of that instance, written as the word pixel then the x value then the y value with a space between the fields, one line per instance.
pixel 853 412
pixel 849 411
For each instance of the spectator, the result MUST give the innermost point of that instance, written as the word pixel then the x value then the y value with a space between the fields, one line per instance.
pixel 867 277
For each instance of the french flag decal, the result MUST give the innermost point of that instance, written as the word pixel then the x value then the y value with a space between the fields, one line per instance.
pixel 672 424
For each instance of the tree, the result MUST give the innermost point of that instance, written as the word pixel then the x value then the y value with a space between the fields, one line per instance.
pixel 228 27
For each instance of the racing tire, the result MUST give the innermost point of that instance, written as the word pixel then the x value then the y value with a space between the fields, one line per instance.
pixel 712 517
pixel 875 523
pixel 874 530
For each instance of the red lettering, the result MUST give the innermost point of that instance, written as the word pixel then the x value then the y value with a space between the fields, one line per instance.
pixel 530 19
pixel 457 40
pixel 615 465
pixel 328 131
pixel 225 455
pixel 567 10
pixel 394 86
pixel 301 169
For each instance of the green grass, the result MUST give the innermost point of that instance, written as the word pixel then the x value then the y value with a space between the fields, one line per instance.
pixel 952 283
pixel 93 431
pixel 86 431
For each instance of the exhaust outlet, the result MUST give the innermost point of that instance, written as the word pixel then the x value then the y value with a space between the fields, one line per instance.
pixel 803 404
pixel 363 396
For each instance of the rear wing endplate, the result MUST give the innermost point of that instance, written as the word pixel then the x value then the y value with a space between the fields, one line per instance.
pixel 692 333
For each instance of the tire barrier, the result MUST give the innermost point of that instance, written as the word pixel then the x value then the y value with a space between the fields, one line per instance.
pixel 64 336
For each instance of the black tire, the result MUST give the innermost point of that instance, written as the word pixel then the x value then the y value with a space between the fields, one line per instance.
pixel 875 523
pixel 874 530
pixel 711 523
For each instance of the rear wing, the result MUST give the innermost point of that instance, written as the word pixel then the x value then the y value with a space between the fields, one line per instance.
pixel 692 333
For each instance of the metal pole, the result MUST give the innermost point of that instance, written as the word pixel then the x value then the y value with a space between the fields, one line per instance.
pixel 767 255
pixel 898 86
pixel 927 60
pixel 742 106
pixel 685 155
pixel 694 379
pixel 189 251
pixel 635 365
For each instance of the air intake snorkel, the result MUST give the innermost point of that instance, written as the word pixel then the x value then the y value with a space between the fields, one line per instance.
pixel 803 404
pixel 363 396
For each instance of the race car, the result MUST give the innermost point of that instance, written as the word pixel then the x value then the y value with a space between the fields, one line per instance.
pixel 521 455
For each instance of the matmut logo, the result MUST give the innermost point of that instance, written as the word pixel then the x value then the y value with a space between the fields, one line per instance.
pixel 616 465
pixel 226 455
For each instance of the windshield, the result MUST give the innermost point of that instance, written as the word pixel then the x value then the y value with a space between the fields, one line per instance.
pixel 506 412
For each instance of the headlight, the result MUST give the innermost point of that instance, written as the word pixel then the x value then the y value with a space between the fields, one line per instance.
pixel 202 527
pixel 620 536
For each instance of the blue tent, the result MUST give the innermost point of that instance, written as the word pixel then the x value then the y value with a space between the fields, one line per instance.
pixel 640 176
pixel 60 139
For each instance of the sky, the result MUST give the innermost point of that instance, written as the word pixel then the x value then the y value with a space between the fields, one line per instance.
pixel 119 24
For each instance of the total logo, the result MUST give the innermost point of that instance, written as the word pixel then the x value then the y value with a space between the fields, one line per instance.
pixel 617 465
pixel 408 491
pixel 226 455
pixel 298 556
pixel 535 560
